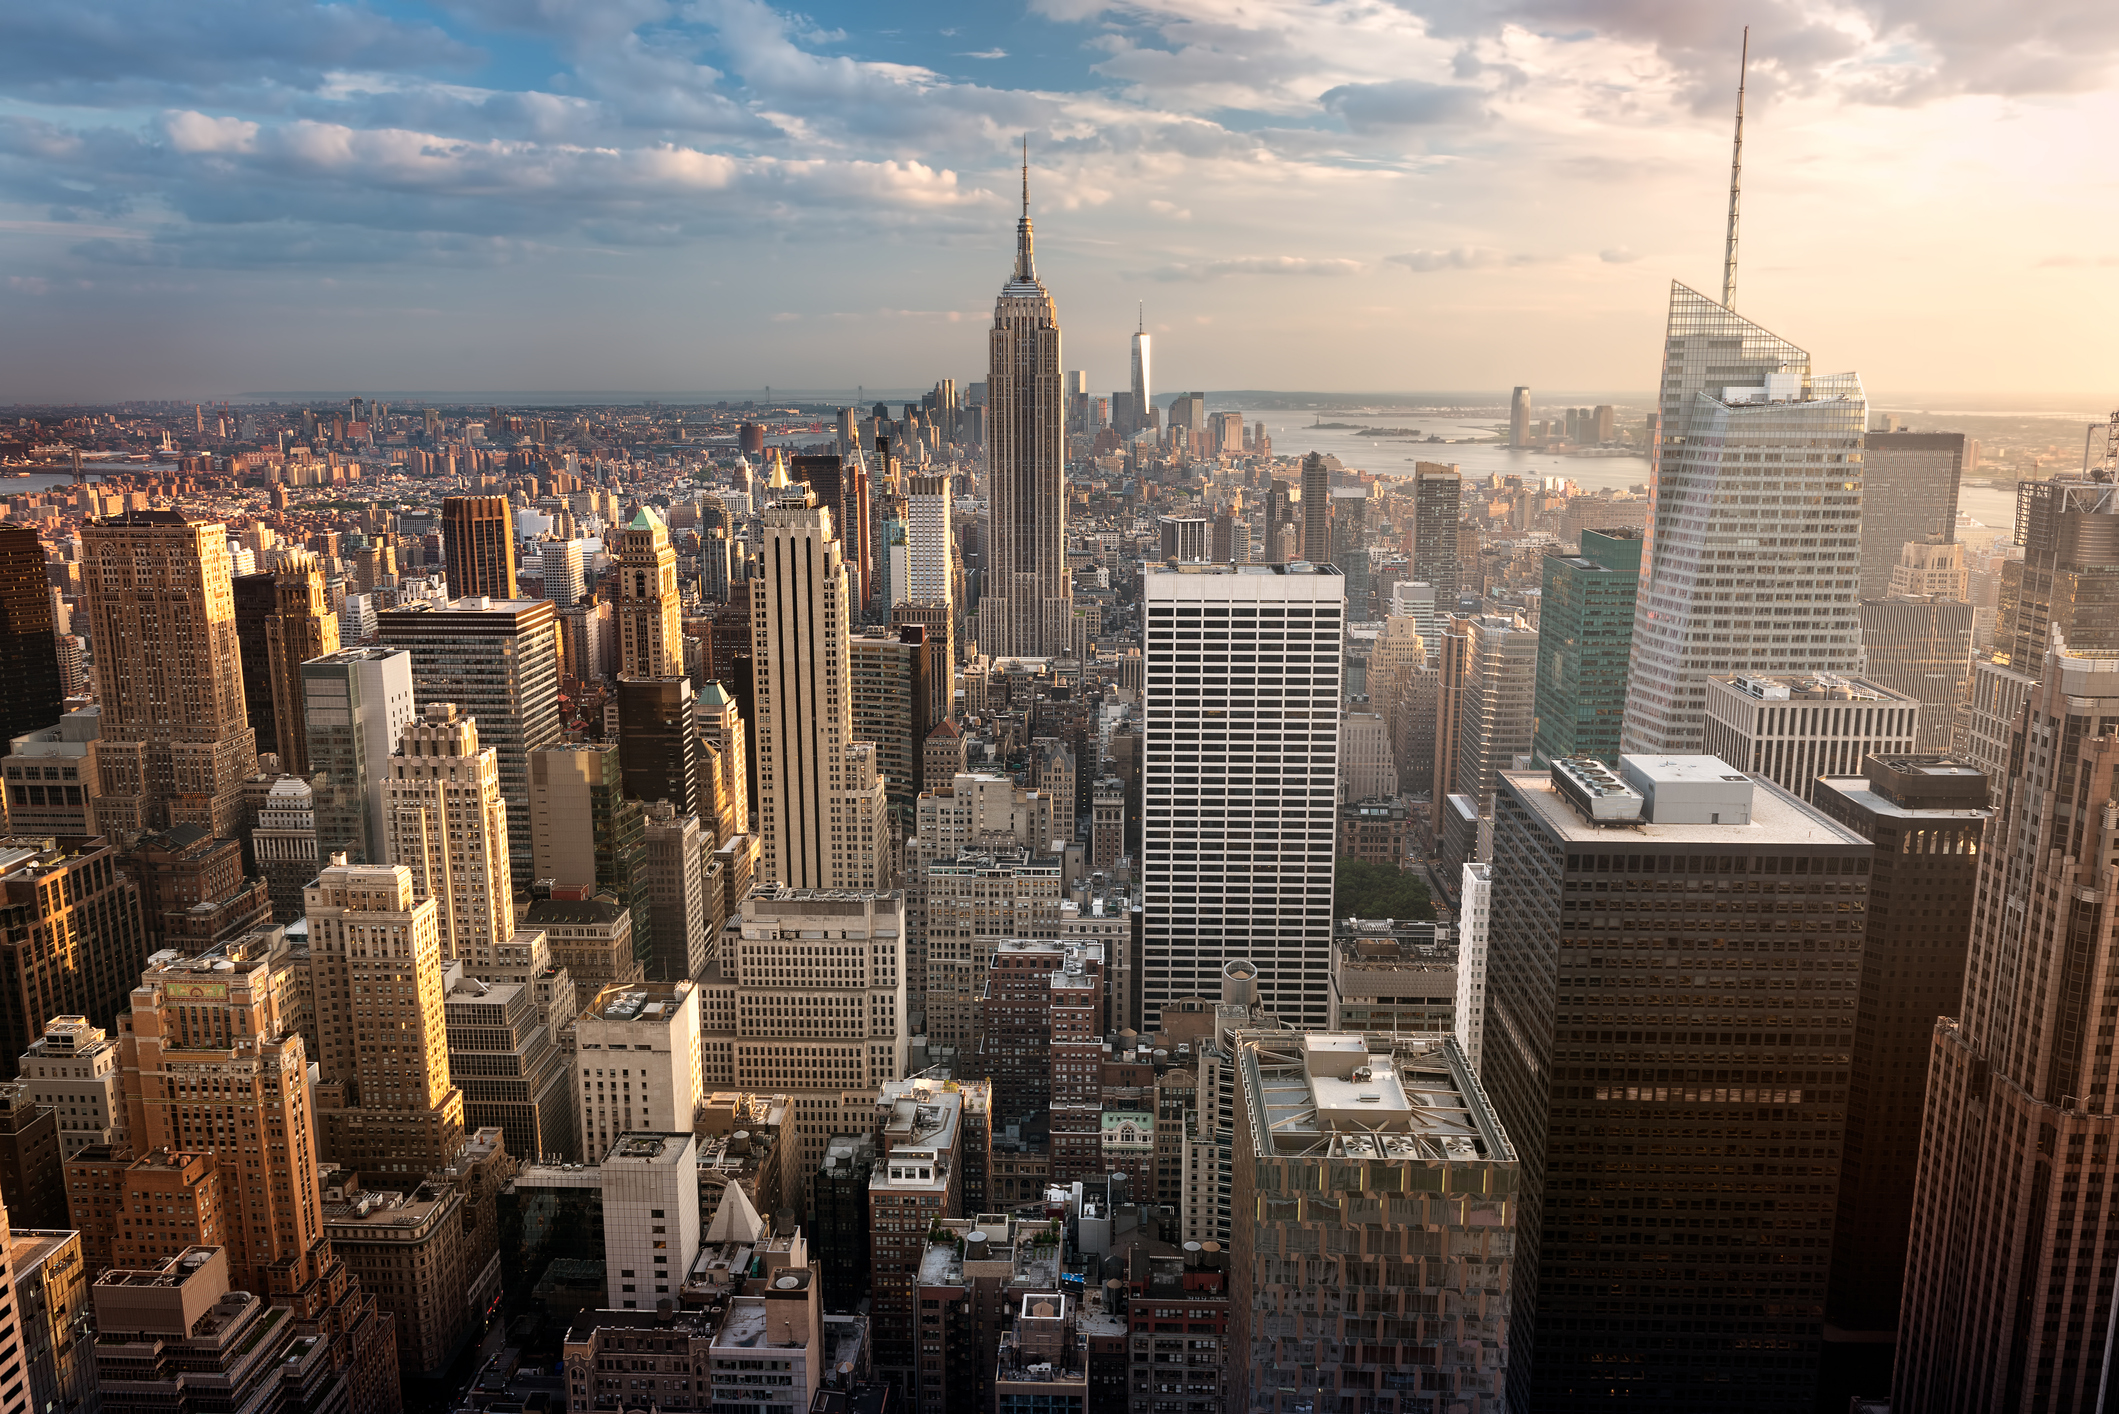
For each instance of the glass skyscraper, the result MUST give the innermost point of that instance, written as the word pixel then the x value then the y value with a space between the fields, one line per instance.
pixel 1585 633
pixel 1753 546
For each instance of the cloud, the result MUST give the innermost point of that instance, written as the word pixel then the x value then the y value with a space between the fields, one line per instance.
pixel 195 132
pixel 1255 265
pixel 1617 255
pixel 982 54
pixel 29 284
pixel 1403 103
pixel 1463 257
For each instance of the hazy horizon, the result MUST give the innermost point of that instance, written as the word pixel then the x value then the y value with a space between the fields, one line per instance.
pixel 634 194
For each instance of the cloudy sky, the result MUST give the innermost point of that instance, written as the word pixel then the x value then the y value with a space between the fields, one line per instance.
pixel 253 195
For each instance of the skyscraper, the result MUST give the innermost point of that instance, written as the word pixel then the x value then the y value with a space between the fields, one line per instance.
pixel 1316 510
pixel 2016 1144
pixel 478 544
pixel 658 740
pixel 498 661
pixel 1438 497
pixel 1671 959
pixel 1923 649
pixel 32 692
pixel 301 626
pixel 1026 609
pixel 177 742
pixel 1927 817
pixel 1519 417
pixel 1240 784
pixel 1585 629
pixel 1909 492
pixel 650 642
pixel 384 1100
pixel 1795 728
pixel 1753 544
pixel 1497 708
pixel 446 823
pixel 1143 389
pixel 564 583
pixel 357 702
pixel 820 797
pixel 929 542
pixel 2068 580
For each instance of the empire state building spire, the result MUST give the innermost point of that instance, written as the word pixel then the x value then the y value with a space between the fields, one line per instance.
pixel 1025 264
pixel 1027 610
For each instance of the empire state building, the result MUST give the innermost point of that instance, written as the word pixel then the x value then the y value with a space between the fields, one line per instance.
pixel 1027 608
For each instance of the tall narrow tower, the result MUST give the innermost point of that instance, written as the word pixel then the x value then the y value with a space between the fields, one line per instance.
pixel 444 820
pixel 820 796
pixel 1143 390
pixel 478 542
pixel 1028 608
pixel 301 626
pixel 650 637
pixel 177 742
pixel 1752 554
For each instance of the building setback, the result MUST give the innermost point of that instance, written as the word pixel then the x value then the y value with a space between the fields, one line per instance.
pixel 1585 636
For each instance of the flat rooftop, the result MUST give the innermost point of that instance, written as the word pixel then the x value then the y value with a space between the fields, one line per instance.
pixel 1861 791
pixel 1778 820
pixel 1330 1093
pixel 648 1149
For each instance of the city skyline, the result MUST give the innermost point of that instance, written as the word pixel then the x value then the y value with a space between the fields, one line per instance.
pixel 404 173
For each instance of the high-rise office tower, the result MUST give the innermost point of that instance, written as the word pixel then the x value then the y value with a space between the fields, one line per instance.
pixel 1793 729
pixel 357 703
pixel 1930 566
pixel 1585 629
pixel 637 1045
pixel 2067 580
pixel 1753 544
pixel 658 740
pixel 32 694
pixel 2006 1305
pixel 445 822
pixel 1519 417
pixel 1316 510
pixel 564 579
pixel 384 1100
pixel 585 832
pixel 254 596
pixel 649 616
pixel 1728 1089
pixel 721 728
pixel 478 546
pixel 1350 553
pixel 891 701
pixel 1497 708
pixel 1027 608
pixel 74 934
pixel 1240 785
pixel 1908 492
pixel 1927 817
pixel 176 743
pixel 1143 384
pixel 929 542
pixel 1409 1116
pixel 820 798
pixel 684 901
pixel 1438 497
pixel 1922 648
pixel 301 626
pixel 498 661
pixel 1452 675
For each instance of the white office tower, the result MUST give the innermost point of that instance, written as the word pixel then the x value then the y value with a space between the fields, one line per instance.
pixel 650 1188
pixel 1752 553
pixel 821 810
pixel 73 1068
pixel 1470 1020
pixel 1239 786
pixel 930 546
pixel 564 579
pixel 1027 610
pixel 636 1046
pixel 443 819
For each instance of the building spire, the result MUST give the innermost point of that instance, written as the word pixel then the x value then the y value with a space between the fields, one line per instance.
pixel 1736 177
pixel 1025 267
pixel 1140 319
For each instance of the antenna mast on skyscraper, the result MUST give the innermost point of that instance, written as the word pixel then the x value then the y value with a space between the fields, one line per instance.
pixel 1736 176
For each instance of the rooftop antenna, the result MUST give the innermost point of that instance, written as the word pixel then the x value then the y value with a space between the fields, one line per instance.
pixel 1140 321
pixel 1026 176
pixel 1736 176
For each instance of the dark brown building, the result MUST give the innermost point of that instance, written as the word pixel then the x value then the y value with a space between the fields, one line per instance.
pixel 478 542
pixel 30 1174
pixel 1927 817
pixel 193 891
pixel 31 690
